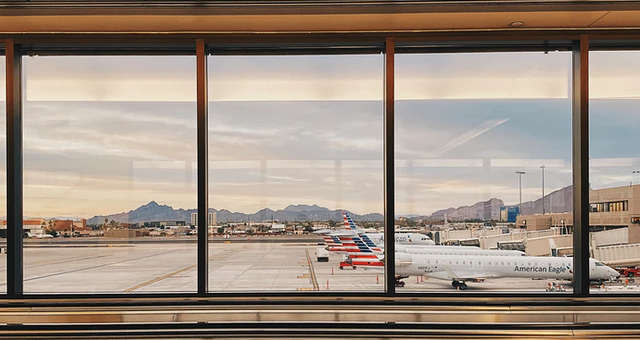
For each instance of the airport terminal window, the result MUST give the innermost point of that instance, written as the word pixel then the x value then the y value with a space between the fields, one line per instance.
pixel 614 168
pixel 610 206
pixel 470 127
pixel 109 174
pixel 3 177
pixel 295 160
pixel 295 163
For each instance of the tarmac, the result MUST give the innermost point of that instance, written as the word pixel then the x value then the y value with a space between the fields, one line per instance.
pixel 170 267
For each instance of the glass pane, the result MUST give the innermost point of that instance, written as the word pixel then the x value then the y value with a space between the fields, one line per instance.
pixel 295 141
pixel 483 167
pixel 109 180
pixel 3 177
pixel 614 171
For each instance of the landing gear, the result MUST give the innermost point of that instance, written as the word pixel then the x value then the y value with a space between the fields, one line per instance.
pixel 460 285
pixel 398 282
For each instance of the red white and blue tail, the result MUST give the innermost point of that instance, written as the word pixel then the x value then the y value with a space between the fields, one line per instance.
pixel 348 222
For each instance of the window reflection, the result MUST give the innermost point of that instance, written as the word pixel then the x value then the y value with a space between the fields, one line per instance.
pixel 483 166
pixel 295 152
pixel 109 174
pixel 613 167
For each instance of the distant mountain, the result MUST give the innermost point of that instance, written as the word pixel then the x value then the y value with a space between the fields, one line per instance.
pixel 153 211
pixel 557 201
pixel 486 210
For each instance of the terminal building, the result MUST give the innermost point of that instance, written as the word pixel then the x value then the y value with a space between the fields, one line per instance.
pixel 610 208
pixel 212 220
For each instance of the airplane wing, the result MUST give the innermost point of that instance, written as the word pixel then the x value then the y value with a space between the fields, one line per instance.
pixel 464 275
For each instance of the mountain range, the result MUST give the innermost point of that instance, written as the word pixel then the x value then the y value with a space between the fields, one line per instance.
pixel 153 211
pixel 557 201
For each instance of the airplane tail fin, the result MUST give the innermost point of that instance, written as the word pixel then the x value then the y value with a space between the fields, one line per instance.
pixel 366 245
pixel 348 222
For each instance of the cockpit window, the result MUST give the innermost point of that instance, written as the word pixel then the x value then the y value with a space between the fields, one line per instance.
pixel 598 264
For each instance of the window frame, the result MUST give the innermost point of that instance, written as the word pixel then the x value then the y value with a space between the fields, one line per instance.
pixel 387 43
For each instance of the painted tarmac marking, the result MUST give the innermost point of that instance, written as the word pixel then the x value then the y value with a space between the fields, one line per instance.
pixel 91 267
pixel 312 271
pixel 159 278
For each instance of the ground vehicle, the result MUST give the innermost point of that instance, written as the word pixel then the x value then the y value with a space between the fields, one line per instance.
pixel 629 271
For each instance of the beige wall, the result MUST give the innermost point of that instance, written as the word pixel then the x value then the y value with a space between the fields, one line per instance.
pixel 541 246
pixel 609 237
pixel 120 233
pixel 621 255
pixel 534 222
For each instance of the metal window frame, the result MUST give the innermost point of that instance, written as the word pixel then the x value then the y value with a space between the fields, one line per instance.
pixel 390 43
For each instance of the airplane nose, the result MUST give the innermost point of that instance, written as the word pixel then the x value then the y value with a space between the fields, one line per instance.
pixel 614 273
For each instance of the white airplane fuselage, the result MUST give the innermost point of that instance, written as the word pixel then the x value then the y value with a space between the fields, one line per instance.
pixel 456 267
pixel 449 250
pixel 401 238
pixel 455 250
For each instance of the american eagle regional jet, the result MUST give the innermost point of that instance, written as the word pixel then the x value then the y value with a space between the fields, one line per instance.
pixel 463 265
pixel 460 269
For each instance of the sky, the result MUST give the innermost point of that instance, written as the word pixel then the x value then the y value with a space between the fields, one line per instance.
pixel 107 134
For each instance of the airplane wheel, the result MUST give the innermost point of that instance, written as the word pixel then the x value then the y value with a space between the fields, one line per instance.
pixel 463 286
pixel 341 268
pixel 455 284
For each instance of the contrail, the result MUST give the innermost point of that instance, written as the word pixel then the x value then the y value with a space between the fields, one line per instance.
pixel 469 135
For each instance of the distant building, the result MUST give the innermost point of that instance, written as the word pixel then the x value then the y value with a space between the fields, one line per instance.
pixel 157 224
pixel 68 225
pixel 610 208
pixel 509 214
pixel 33 226
pixel 211 219
pixel 278 228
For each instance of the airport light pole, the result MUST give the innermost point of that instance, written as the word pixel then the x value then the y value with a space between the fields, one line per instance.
pixel 520 173
pixel 634 172
pixel 542 167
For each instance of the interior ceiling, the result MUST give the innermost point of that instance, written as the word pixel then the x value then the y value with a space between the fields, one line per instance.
pixel 312 16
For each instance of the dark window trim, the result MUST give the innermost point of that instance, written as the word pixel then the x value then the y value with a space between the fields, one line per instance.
pixel 404 42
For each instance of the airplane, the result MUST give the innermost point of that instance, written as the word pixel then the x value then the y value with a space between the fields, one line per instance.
pixel 401 238
pixel 460 269
pixel 349 227
pixel 341 240
pixel 364 244
pixel 372 256
pixel 347 243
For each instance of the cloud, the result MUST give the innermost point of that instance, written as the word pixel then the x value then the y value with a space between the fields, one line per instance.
pixel 119 132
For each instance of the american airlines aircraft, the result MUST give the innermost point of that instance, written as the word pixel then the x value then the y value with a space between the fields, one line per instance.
pixel 372 256
pixel 345 240
pixel 459 269
pixel 367 243
pixel 460 264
